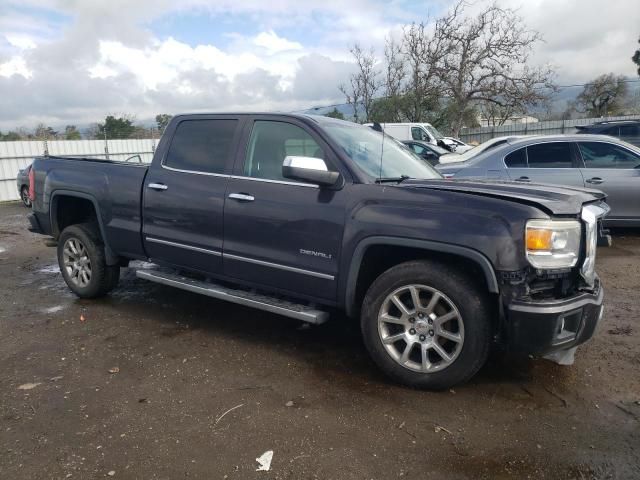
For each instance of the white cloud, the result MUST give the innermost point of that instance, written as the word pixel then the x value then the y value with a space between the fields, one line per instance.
pixel 20 41
pixel 100 57
pixel 15 66
pixel 272 43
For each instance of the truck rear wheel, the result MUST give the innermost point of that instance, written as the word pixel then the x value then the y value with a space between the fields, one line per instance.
pixel 24 196
pixel 426 325
pixel 82 262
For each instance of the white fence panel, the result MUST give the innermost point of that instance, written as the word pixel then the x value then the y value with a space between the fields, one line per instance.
pixel 123 149
pixel 17 155
pixel 13 157
pixel 550 127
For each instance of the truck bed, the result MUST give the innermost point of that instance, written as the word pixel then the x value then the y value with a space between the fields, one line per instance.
pixel 114 188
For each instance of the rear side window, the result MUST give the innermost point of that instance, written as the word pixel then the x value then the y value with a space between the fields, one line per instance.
pixel 550 155
pixel 630 131
pixel 613 131
pixel 607 155
pixel 202 145
pixel 516 159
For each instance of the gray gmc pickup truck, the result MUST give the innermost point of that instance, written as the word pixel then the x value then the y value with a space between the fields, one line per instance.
pixel 303 216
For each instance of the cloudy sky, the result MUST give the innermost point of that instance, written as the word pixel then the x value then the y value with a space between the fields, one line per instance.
pixel 74 61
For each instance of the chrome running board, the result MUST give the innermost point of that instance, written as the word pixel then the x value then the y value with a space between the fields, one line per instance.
pixel 242 297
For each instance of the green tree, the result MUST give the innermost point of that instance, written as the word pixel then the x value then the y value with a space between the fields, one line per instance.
pixel 11 136
pixel 335 113
pixel 116 127
pixel 603 96
pixel 71 133
pixel 162 120
pixel 636 58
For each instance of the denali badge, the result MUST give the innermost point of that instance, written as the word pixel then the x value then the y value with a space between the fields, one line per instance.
pixel 328 256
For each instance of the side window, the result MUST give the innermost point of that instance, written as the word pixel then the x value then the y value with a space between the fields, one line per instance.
pixel 419 149
pixel 607 155
pixel 516 159
pixel 418 134
pixel 271 142
pixel 550 155
pixel 201 145
pixel 627 131
pixel 613 131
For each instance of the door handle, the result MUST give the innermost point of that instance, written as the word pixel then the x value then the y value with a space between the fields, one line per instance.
pixel 595 180
pixel 523 179
pixel 243 197
pixel 157 186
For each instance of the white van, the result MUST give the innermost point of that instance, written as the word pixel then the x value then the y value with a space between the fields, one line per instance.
pixel 424 132
pixel 411 131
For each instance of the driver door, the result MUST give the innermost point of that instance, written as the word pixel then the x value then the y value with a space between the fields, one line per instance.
pixel 278 232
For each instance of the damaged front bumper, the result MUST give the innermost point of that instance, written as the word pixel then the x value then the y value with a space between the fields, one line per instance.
pixel 553 328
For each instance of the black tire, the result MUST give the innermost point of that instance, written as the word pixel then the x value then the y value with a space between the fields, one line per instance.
pixel 474 311
pixel 24 196
pixel 103 278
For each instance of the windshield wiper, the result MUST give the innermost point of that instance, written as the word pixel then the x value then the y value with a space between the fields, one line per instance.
pixel 399 179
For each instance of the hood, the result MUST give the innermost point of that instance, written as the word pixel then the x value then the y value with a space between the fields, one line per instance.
pixel 554 199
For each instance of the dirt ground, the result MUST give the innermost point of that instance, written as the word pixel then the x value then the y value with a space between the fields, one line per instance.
pixel 156 383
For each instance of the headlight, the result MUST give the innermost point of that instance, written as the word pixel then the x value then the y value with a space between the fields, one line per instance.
pixel 553 243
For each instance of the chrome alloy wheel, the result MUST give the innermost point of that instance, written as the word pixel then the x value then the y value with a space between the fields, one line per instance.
pixel 421 328
pixel 76 262
pixel 24 196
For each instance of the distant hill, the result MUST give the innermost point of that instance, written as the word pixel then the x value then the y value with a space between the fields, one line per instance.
pixel 560 101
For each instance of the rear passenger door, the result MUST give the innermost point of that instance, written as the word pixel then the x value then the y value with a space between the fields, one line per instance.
pixel 616 171
pixel 280 233
pixel 549 162
pixel 184 195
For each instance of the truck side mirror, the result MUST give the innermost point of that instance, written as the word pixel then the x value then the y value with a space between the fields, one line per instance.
pixel 309 169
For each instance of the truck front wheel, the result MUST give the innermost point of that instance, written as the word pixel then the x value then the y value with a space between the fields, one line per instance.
pixel 426 325
pixel 82 262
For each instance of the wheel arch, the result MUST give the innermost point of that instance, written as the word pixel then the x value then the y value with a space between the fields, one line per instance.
pixel 409 249
pixel 57 196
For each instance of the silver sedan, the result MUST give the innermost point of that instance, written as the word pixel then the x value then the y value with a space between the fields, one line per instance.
pixel 592 161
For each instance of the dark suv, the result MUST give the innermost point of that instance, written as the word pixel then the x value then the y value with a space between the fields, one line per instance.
pixel 627 130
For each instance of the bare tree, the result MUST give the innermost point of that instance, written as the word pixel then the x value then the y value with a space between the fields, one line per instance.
pixel 364 84
pixel 603 96
pixel 422 54
pixel 485 60
pixel 395 74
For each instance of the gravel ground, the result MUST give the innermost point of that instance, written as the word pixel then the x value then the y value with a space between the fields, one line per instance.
pixel 152 382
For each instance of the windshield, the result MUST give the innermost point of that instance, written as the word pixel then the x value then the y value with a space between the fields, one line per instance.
pixel 439 150
pixel 364 146
pixel 434 133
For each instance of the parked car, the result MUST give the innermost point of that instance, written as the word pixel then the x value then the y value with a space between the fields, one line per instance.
pixel 301 215
pixel 596 161
pixel 458 145
pixel 22 182
pixel 627 130
pixel 473 151
pixel 430 153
